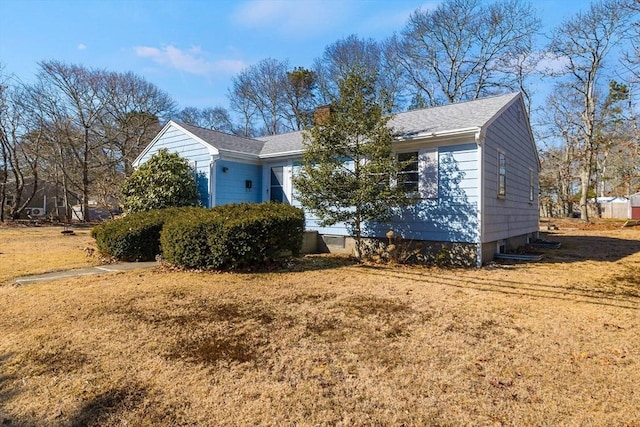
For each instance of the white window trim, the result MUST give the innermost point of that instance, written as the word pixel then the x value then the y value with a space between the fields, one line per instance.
pixel 502 194
pixel 412 171
pixel 532 185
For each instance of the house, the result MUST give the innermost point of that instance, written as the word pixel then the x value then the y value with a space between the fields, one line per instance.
pixel 609 207
pixel 476 161
pixel 634 206
pixel 47 200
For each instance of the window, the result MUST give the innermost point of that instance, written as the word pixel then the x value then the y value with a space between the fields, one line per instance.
pixel 502 175
pixel 8 200
pixel 276 189
pixel 532 185
pixel 409 172
pixel 420 173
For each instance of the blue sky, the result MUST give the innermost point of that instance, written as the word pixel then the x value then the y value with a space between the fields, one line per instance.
pixel 192 48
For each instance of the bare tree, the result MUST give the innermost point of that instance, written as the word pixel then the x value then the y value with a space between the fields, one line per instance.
pixel 214 118
pixel 73 105
pixel 465 49
pixel 133 110
pixel 272 98
pixel 240 102
pixel 559 171
pixel 190 116
pixel 20 146
pixel 95 123
pixel 632 56
pixel 355 55
pixel 218 118
pixel 262 87
pixel 583 42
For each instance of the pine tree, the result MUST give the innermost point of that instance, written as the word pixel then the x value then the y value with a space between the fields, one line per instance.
pixel 349 172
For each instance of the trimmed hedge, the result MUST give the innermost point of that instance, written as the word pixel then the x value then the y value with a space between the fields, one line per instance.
pixel 226 237
pixel 135 237
pixel 234 236
pixel 184 239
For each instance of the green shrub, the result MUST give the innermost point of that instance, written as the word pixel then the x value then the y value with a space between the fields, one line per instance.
pixel 226 237
pixel 135 237
pixel 255 234
pixel 185 238
pixel 233 236
pixel 165 180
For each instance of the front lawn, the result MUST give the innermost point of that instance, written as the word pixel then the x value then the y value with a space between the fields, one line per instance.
pixel 333 343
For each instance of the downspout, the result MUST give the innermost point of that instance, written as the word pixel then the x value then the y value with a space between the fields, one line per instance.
pixel 212 180
pixel 480 136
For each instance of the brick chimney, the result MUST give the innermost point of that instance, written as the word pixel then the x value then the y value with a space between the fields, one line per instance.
pixel 321 114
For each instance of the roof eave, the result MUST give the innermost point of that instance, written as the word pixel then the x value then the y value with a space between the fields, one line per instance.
pixel 441 134
pixel 293 153
pixel 239 155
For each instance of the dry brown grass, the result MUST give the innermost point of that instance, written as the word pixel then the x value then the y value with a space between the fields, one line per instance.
pixel 34 250
pixel 331 343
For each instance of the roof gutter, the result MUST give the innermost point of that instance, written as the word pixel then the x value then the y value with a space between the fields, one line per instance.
pixel 294 153
pixel 453 132
pixel 238 155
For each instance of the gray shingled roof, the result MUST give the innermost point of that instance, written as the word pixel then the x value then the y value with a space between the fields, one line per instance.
pixel 463 115
pixel 224 141
pixel 283 143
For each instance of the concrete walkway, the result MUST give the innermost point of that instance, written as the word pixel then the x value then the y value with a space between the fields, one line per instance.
pixel 87 271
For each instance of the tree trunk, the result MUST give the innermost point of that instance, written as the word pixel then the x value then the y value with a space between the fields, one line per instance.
pixel 585 175
pixel 85 177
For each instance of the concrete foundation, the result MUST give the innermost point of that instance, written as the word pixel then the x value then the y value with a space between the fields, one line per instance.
pixel 427 252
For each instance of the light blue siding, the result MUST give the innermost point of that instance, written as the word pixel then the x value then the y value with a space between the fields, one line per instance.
pixel 176 141
pixel 312 223
pixel 231 178
pixel 452 217
pixel 514 214
pixel 196 153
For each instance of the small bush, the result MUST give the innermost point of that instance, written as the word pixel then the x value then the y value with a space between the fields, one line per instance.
pixel 234 236
pixel 135 237
pixel 185 238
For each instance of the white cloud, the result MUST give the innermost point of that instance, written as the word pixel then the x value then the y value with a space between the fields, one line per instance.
pixel 82 46
pixel 299 18
pixel 392 20
pixel 550 63
pixel 192 61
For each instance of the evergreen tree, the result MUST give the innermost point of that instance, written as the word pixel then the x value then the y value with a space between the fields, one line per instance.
pixel 165 180
pixel 349 173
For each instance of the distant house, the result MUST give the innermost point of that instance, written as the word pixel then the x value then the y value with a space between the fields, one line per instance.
pixel 47 201
pixel 476 163
pixel 609 207
pixel 634 206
